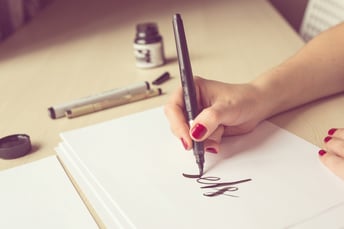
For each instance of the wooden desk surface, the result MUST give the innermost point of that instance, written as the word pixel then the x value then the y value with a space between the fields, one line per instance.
pixel 77 48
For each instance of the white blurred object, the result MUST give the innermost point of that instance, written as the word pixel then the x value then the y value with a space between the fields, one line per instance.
pixel 321 15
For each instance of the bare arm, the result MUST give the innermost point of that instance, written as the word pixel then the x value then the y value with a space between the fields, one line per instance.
pixel 316 71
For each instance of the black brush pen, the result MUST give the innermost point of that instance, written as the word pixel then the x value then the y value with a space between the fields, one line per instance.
pixel 188 86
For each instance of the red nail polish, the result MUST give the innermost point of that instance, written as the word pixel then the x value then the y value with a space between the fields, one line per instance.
pixel 185 144
pixel 327 139
pixel 322 152
pixel 198 131
pixel 331 131
pixel 211 150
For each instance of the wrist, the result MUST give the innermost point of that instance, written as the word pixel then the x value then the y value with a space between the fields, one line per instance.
pixel 271 90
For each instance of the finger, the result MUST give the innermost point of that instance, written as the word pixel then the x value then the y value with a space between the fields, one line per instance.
pixel 336 132
pixel 207 122
pixel 212 144
pixel 174 111
pixel 240 129
pixel 334 145
pixel 334 162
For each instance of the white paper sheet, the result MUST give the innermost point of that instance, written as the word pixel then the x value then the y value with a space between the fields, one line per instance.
pixel 132 168
pixel 40 195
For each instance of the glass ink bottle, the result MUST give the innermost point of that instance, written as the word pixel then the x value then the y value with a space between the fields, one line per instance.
pixel 148 46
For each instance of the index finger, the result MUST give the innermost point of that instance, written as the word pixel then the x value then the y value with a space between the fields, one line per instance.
pixel 174 111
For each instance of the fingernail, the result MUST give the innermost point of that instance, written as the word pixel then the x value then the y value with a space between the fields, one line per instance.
pixel 211 150
pixel 327 139
pixel 198 131
pixel 331 131
pixel 185 144
pixel 322 152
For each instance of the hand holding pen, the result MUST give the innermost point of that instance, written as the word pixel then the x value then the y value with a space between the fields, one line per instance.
pixel 224 109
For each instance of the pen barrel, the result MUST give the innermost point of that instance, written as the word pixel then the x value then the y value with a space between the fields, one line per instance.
pixel 82 110
pixel 186 75
pixel 198 151
pixel 187 80
pixel 91 108
pixel 58 111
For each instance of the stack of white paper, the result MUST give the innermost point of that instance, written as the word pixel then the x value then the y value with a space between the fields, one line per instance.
pixel 40 195
pixel 131 171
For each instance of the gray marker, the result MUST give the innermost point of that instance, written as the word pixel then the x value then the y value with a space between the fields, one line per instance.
pixel 58 111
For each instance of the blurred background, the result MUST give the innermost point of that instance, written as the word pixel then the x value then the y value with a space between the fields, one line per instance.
pixel 16 13
pixel 306 17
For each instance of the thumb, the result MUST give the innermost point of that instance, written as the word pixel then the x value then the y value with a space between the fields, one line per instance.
pixel 207 122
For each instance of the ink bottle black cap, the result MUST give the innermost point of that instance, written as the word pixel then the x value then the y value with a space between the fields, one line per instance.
pixel 148 46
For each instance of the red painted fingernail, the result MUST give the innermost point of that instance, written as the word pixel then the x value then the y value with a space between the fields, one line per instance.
pixel 211 150
pixel 331 131
pixel 322 152
pixel 198 131
pixel 185 144
pixel 327 139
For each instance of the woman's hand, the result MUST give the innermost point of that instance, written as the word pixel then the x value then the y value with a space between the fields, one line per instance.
pixel 226 109
pixel 233 109
pixel 333 153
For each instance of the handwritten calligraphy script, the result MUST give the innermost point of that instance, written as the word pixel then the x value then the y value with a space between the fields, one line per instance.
pixel 217 188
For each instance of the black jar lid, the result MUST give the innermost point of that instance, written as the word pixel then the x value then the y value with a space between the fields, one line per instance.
pixel 147 33
pixel 14 146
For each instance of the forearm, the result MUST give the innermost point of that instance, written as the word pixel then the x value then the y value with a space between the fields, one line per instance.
pixel 316 71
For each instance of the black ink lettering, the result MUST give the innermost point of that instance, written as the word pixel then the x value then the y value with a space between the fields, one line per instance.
pixel 221 191
pixel 191 176
pixel 212 182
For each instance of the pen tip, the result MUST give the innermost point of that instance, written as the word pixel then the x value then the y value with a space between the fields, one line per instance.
pixel 200 171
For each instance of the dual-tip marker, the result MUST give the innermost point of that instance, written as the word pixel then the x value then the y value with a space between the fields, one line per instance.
pixel 58 111
pixel 109 103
